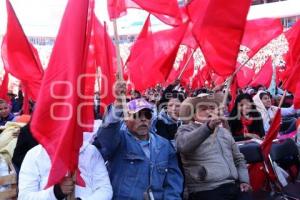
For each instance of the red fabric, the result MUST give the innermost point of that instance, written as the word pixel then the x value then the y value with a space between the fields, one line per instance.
pixel 244 76
pixel 246 123
pixel 152 56
pixel 219 33
pixel 291 76
pixel 55 121
pixel 107 60
pixel 264 76
pixel 196 9
pixel 4 88
pixel 188 72
pixel 297 97
pixel 20 58
pixel 166 10
pixel 201 77
pixel 267 142
pixel 233 92
pixel 258 176
pixel 259 32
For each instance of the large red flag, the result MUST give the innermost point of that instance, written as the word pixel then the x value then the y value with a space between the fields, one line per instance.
pixel 4 87
pixel 291 76
pixel 259 32
pixel 152 55
pixel 219 33
pixel 107 60
pixel 166 10
pixel 61 96
pixel 20 57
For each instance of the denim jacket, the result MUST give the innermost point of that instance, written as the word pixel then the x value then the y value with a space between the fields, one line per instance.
pixel 131 171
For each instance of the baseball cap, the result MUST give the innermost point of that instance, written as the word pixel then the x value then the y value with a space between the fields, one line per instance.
pixel 137 105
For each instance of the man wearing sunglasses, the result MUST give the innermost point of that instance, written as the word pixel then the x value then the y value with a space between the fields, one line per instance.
pixel 142 165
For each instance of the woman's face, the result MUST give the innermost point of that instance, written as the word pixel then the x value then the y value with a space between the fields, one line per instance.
pixel 266 100
pixel 173 107
pixel 245 107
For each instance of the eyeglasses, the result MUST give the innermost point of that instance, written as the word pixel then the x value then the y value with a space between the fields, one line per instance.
pixel 146 114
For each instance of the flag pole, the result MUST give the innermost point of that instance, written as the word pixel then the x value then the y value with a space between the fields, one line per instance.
pixel 120 71
pixel 117 42
pixel 282 99
pixel 186 64
pixel 234 73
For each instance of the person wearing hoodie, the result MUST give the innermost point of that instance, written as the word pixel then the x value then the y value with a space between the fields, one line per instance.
pixel 263 102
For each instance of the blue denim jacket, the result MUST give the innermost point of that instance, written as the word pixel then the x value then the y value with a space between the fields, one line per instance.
pixel 131 172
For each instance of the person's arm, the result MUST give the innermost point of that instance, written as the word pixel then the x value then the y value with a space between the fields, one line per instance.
pixel 188 138
pixel 109 134
pixel 29 181
pixel 240 163
pixel 288 111
pixel 101 185
pixel 173 184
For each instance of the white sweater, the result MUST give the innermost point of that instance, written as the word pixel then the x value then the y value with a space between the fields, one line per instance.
pixel 36 166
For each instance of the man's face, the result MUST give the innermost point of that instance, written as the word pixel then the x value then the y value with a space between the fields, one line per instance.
pixel 204 112
pixel 4 110
pixel 139 124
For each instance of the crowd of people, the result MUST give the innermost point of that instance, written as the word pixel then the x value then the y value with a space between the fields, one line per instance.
pixel 165 143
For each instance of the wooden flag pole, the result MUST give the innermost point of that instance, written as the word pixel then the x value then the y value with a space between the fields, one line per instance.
pixel 234 73
pixel 117 42
pixel 120 71
pixel 186 64
pixel 282 99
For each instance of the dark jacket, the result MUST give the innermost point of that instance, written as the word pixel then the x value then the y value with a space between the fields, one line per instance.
pixel 24 143
pixel 165 126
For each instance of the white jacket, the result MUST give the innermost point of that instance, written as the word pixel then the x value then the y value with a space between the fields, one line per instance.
pixel 36 166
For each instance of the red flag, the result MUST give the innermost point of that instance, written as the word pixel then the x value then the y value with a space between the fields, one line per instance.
pixel 61 96
pixel 107 60
pixel 4 88
pixel 291 76
pixel 166 10
pixel 188 72
pixel 244 76
pixel 153 55
pixel 259 32
pixel 203 78
pixel 264 76
pixel 20 57
pixel 196 9
pixel 219 33
pixel 271 135
pixel 187 75
pixel 297 97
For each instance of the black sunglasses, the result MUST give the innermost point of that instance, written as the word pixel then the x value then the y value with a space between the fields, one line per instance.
pixel 147 114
